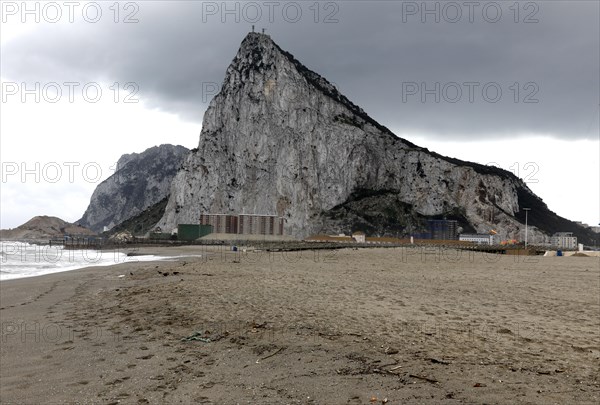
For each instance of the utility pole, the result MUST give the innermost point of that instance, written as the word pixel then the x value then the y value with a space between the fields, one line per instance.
pixel 526 212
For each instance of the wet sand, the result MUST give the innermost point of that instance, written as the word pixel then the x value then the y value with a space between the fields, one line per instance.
pixel 328 327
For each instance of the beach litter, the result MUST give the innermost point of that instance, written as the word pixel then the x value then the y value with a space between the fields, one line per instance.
pixel 421 377
pixel 270 355
pixel 196 336
pixel 438 361
pixel 391 350
pixel 202 336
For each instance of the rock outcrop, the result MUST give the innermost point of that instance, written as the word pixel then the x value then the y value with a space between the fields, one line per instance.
pixel 280 139
pixel 142 223
pixel 140 181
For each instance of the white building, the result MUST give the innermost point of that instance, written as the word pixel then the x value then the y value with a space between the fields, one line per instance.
pixel 359 237
pixel 479 238
pixel 564 240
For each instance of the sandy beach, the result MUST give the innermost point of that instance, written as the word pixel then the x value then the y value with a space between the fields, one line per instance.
pixel 363 326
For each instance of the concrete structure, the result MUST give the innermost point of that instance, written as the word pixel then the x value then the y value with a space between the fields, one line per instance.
pixel 221 223
pixel 479 238
pixel 260 225
pixel 359 237
pixel 244 224
pixel 564 240
pixel 443 229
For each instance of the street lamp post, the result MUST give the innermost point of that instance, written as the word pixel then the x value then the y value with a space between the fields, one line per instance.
pixel 526 212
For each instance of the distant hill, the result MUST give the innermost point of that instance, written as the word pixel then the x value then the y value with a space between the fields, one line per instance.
pixel 42 228
pixel 141 180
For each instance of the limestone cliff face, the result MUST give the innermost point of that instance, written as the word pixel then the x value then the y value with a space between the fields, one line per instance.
pixel 280 139
pixel 141 180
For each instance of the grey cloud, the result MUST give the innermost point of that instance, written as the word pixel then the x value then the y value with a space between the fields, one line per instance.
pixel 370 53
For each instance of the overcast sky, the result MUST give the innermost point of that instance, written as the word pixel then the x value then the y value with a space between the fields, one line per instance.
pixel 514 83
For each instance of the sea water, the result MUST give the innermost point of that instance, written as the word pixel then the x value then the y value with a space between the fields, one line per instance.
pixel 21 259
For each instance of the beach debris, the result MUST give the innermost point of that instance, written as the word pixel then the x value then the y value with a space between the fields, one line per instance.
pixel 395 368
pixel 438 361
pixel 166 273
pixel 256 325
pixel 270 355
pixel 197 336
pixel 121 275
pixel 387 364
pixel 202 336
pixel 391 350
pixel 478 385
pixel 420 377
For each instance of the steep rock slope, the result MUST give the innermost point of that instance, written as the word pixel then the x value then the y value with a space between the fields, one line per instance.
pixel 140 181
pixel 280 139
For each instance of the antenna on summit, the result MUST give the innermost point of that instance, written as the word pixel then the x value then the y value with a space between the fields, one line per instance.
pixel 253 28
pixel 263 30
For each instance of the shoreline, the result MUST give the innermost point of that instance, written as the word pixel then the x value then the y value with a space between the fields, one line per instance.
pixel 156 255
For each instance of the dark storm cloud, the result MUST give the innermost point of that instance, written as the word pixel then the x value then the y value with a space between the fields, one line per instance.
pixel 436 78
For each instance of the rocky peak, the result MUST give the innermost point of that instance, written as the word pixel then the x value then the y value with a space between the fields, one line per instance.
pixel 280 139
pixel 140 181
